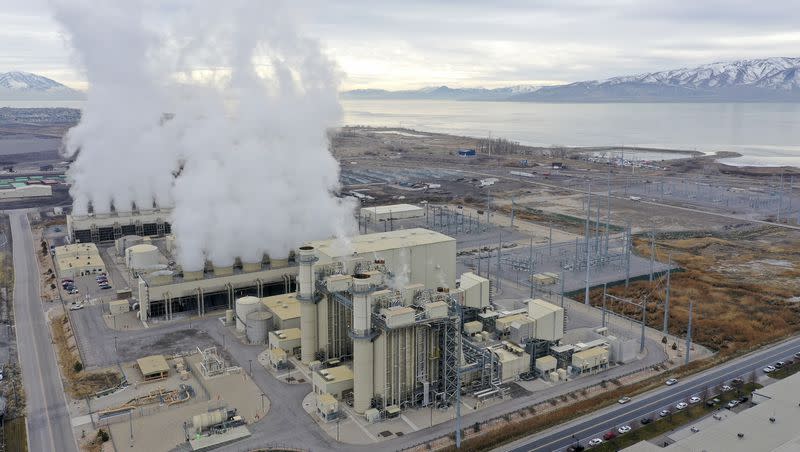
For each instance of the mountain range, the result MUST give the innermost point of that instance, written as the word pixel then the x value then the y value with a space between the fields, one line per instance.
pixel 27 86
pixel 758 80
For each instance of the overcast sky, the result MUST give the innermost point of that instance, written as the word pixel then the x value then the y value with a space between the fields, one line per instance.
pixel 398 44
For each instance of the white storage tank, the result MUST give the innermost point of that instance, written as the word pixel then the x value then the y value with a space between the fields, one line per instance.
pixel 202 421
pixel 244 306
pixel 142 256
pixel 258 324
pixel 125 242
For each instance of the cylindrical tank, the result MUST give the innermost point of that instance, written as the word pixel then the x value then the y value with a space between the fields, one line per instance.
pixel 362 346
pixel 279 262
pixel 258 324
pixel 201 421
pixel 125 242
pixel 228 316
pixel 223 271
pixel 244 306
pixel 142 256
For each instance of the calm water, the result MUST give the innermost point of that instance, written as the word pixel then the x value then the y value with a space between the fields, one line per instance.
pixel 765 134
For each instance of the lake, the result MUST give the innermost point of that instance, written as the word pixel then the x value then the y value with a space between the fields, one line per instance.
pixel 766 134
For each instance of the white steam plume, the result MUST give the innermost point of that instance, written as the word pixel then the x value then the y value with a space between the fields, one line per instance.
pixel 250 100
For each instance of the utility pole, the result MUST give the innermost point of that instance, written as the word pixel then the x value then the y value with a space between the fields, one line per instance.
pixel 608 211
pixel 689 331
pixel 666 299
pixel 562 288
pixel 550 237
pixel 628 240
pixel 499 248
pixel 605 291
pixel 588 250
pixel 652 251
pixel 644 321
pixel 530 266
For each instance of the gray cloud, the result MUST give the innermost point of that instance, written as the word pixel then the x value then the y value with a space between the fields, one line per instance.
pixel 415 43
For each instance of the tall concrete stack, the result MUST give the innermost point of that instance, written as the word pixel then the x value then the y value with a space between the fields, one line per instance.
pixel 308 305
pixel 362 344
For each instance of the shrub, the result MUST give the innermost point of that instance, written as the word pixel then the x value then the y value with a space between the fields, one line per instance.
pixel 102 435
pixel 77 367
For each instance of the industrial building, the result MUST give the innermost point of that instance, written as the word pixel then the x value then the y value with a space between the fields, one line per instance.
pixel 77 259
pixel 97 228
pixel 153 367
pixel 392 212
pixel 164 289
pixel 770 425
pixel 26 191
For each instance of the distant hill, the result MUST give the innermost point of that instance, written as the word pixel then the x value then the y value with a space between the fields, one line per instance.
pixel 27 86
pixel 761 80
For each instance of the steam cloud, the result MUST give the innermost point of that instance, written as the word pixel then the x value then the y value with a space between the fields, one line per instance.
pixel 229 97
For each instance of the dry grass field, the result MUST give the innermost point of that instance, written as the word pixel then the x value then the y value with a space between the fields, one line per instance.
pixel 743 284
pixel 80 383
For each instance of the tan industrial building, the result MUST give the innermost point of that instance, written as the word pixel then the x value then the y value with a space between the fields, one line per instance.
pixel 391 212
pixel 769 426
pixel 286 340
pixel 335 381
pixel 594 358
pixel 78 259
pixel 153 367
pixel 27 191
pixel 387 300
pixel 285 308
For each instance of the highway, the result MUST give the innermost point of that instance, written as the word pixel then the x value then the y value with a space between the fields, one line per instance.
pixel 596 424
pixel 48 420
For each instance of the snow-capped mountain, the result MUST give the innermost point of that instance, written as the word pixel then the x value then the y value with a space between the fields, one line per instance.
pixel 768 79
pixel 27 86
pixel 443 93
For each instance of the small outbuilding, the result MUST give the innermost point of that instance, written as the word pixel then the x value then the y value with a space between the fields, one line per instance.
pixel 153 367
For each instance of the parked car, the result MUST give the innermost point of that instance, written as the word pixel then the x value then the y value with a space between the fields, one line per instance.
pixel 694 399
pixel 73 291
pixel 595 442
pixel 645 420
pixel 743 399
pixel 726 388
pixel 797 355
pixel 768 369
pixel 732 404
pixel 624 429
pixel 624 400
pixel 75 306
pixel 737 382
pixel 105 286
pixel 694 429
pixel 717 416
pixel 671 381
pixel 663 413
pixel 779 364
pixel 575 448
pixel 66 280
pixel 681 405
pixel 609 436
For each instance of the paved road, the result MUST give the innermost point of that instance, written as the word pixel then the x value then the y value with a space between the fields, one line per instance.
pixel 48 420
pixel 595 424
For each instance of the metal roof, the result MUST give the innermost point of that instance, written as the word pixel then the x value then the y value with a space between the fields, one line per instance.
pixel 152 364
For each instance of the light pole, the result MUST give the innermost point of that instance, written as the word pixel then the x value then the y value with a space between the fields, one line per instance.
pixel 251 367
pixel 262 403
pixel 115 344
